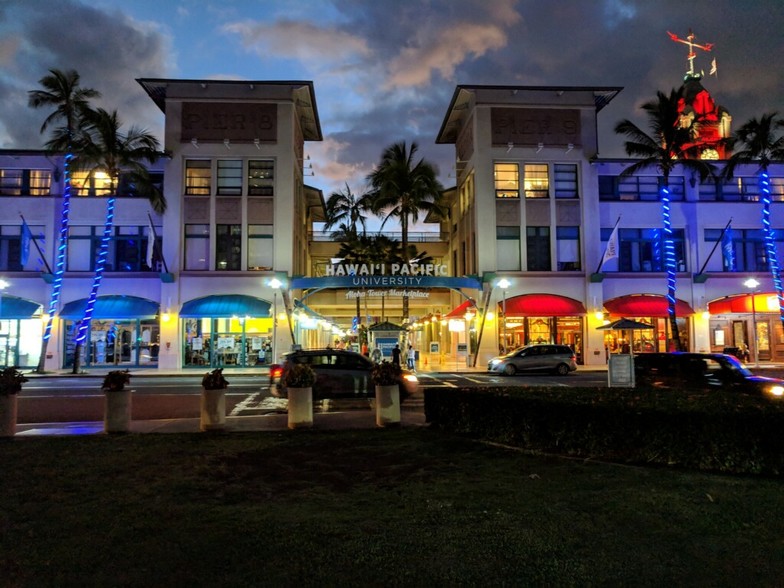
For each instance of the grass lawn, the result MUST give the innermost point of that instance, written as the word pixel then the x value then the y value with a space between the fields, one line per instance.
pixel 406 507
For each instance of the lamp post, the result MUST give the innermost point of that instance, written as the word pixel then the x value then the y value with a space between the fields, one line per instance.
pixel 503 283
pixel 752 284
pixel 275 284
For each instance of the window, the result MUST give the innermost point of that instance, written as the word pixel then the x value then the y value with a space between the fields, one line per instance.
pixel 507 180
pixel 642 250
pixel 23 182
pixel 127 250
pixel 743 247
pixel 740 190
pixel 85 183
pixel 261 178
pixel 260 247
pixel 507 248
pixel 777 189
pixel 565 175
pixel 537 181
pixel 128 187
pixel 638 188
pixel 538 246
pixel 197 247
pixel 568 248
pixel 229 177
pixel 197 177
pixel 228 247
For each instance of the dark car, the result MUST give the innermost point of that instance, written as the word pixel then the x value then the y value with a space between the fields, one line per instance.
pixel 559 359
pixel 339 374
pixel 703 371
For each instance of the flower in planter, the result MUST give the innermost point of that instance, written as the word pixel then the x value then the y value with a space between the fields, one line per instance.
pixel 11 380
pixel 299 375
pixel 116 380
pixel 386 373
pixel 214 380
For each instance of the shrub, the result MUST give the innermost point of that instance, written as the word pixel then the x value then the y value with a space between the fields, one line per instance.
pixel 214 380
pixel 386 373
pixel 11 380
pixel 116 380
pixel 299 375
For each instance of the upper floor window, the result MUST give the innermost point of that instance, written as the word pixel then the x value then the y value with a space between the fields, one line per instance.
pixel 565 177
pixel 261 177
pixel 638 188
pixel 24 182
pixel 507 180
pixel 742 250
pixel 537 180
pixel 127 250
pixel 198 176
pixel 85 183
pixel 642 250
pixel 229 177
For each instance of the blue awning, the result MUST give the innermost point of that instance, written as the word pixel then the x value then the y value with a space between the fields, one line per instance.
pixel 226 306
pixel 113 307
pixel 12 307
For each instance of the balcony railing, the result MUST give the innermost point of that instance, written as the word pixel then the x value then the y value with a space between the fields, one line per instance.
pixel 427 237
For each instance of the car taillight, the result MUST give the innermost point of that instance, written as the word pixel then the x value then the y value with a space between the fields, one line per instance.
pixel 276 370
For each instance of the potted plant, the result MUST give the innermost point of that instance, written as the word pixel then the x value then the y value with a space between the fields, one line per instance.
pixel 212 408
pixel 11 380
pixel 117 402
pixel 298 378
pixel 386 376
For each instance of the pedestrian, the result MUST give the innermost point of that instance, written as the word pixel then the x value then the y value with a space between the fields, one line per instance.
pixel 396 355
pixel 411 357
pixel 376 356
pixel 365 349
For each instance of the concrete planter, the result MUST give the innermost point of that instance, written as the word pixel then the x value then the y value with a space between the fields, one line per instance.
pixel 300 407
pixel 117 411
pixel 8 415
pixel 388 406
pixel 212 413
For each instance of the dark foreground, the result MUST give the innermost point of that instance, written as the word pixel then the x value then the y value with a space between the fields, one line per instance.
pixel 406 507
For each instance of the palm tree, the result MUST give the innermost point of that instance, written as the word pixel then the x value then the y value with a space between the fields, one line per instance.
pixel 759 143
pixel 403 188
pixel 669 144
pixel 103 148
pixel 61 90
pixel 346 210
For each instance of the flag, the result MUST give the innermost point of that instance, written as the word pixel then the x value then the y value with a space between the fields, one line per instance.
pixel 27 236
pixel 713 70
pixel 728 251
pixel 612 246
pixel 150 242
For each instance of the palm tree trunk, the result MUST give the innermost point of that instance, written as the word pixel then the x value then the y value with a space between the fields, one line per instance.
pixel 669 261
pixel 404 243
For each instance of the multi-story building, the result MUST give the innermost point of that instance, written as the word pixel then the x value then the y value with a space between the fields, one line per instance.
pixel 239 272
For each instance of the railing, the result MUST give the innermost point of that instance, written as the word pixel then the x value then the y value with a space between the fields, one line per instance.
pixel 325 236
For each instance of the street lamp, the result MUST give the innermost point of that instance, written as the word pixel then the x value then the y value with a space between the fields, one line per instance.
pixel 275 284
pixel 503 283
pixel 752 284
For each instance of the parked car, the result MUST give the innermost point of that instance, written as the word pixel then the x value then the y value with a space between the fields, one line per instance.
pixel 703 371
pixel 559 359
pixel 339 374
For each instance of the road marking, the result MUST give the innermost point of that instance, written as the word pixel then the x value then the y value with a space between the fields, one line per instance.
pixel 475 380
pixel 240 406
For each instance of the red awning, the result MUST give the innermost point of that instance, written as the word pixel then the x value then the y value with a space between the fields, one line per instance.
pixel 654 305
pixel 763 302
pixel 460 311
pixel 542 305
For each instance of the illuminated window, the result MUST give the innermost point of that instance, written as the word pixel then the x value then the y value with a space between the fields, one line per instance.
pixel 198 176
pixel 261 177
pixel 537 180
pixel 84 183
pixel 507 180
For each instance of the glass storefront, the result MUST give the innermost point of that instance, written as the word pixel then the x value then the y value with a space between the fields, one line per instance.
pixel 226 342
pixel 20 342
pixel 116 342
pixel 528 330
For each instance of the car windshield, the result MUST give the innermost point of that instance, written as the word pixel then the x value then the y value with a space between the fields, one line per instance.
pixel 732 364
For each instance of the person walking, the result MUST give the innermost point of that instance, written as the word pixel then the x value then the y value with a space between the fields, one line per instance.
pixel 411 358
pixel 376 356
pixel 396 355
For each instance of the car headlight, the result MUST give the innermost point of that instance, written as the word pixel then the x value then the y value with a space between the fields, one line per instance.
pixel 776 390
pixel 410 378
pixel 495 361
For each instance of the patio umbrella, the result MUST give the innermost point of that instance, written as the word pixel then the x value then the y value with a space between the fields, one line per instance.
pixel 625 324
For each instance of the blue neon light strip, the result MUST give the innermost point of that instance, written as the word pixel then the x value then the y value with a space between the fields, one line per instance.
pixel 99 266
pixel 770 239
pixel 59 269
pixel 669 251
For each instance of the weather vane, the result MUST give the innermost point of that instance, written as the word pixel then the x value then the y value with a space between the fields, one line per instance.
pixel 689 40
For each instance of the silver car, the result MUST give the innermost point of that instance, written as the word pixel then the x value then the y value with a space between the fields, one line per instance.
pixel 559 359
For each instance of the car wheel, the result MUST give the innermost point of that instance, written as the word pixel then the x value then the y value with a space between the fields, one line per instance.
pixel 562 369
pixel 510 370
